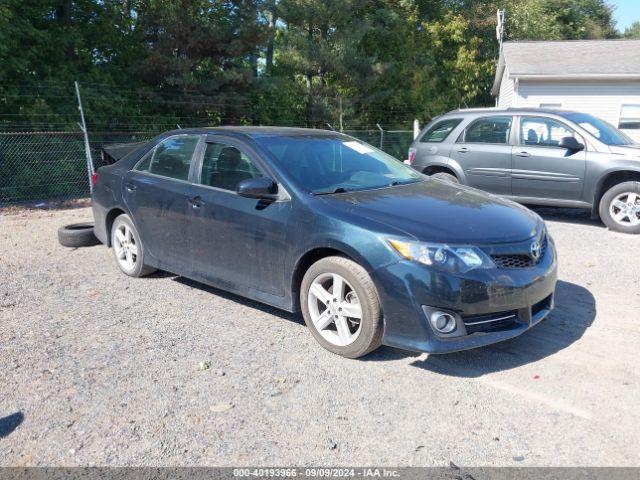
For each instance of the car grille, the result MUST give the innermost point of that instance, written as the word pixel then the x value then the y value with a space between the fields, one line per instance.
pixel 490 323
pixel 519 260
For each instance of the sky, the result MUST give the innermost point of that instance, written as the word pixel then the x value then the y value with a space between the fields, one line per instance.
pixel 626 12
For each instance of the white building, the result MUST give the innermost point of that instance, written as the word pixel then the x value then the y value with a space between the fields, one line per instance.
pixel 600 77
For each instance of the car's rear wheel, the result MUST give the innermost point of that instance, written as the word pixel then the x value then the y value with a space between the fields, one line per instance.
pixel 341 308
pixel 127 247
pixel 447 177
pixel 620 207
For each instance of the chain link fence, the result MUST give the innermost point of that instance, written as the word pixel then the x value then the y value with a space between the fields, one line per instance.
pixel 43 166
pixel 51 165
pixel 43 158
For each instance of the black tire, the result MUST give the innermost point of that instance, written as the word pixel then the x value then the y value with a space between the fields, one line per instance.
pixel 447 177
pixel 77 235
pixel 605 207
pixel 139 268
pixel 370 336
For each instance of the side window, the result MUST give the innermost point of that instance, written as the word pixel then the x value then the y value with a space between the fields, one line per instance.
pixel 489 130
pixel 441 130
pixel 171 158
pixel 544 132
pixel 143 164
pixel 224 166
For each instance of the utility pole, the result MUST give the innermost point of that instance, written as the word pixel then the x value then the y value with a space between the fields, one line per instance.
pixel 87 148
pixel 500 37
pixel 500 27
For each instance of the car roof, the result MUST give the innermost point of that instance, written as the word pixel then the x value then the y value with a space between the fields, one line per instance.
pixel 256 132
pixel 509 110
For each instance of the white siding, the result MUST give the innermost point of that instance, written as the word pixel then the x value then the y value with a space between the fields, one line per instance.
pixel 602 99
pixel 505 96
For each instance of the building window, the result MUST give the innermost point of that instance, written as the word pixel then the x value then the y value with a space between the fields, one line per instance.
pixel 629 117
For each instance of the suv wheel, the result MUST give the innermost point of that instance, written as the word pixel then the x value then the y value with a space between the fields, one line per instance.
pixel 447 177
pixel 341 308
pixel 620 207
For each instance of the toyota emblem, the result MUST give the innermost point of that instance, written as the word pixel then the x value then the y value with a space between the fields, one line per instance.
pixel 536 250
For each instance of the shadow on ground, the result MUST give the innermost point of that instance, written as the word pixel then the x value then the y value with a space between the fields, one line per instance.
pixel 575 312
pixel 295 318
pixel 9 423
pixel 567 215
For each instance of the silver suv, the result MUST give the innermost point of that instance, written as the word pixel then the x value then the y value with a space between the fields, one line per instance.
pixel 537 156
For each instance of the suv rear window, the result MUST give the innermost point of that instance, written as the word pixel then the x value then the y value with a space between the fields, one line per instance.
pixel 441 130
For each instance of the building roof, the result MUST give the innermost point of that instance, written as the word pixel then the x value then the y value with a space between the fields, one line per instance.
pixel 577 59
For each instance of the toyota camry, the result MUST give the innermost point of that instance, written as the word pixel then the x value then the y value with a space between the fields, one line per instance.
pixel 370 251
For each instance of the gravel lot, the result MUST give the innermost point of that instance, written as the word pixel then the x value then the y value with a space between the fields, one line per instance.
pixel 100 369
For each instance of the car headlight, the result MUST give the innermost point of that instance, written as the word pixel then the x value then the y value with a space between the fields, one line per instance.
pixel 457 259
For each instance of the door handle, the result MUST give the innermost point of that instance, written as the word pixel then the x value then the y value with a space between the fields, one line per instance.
pixel 130 187
pixel 523 154
pixel 463 150
pixel 196 202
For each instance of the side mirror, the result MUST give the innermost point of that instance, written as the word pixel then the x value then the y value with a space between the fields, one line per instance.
pixel 262 188
pixel 570 143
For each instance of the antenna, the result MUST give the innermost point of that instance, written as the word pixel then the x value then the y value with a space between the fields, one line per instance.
pixel 500 27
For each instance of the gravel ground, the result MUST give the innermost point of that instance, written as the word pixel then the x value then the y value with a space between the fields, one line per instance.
pixel 97 368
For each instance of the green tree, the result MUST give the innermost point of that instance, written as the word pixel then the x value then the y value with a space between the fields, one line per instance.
pixel 632 31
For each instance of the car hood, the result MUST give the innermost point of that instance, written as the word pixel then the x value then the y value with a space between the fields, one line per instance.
pixel 628 150
pixel 436 211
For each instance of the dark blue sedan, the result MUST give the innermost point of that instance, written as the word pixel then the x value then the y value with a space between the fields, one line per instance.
pixel 371 251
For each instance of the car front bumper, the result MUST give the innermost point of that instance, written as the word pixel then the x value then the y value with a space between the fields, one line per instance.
pixel 491 305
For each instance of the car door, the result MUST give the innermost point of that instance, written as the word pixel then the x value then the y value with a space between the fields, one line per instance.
pixel 156 192
pixel 541 169
pixel 483 151
pixel 239 242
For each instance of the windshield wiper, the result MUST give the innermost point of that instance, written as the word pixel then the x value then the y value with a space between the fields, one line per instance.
pixel 329 192
pixel 406 182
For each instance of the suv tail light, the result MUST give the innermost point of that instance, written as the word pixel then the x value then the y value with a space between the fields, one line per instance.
pixel 412 156
pixel 94 178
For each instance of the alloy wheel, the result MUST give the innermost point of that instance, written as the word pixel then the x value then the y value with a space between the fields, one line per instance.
pixel 335 309
pixel 126 248
pixel 625 209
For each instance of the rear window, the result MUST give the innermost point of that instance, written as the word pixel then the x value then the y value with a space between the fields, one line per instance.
pixel 441 130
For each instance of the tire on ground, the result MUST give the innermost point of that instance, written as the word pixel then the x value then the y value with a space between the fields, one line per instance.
pixel 447 177
pixel 370 337
pixel 77 235
pixel 139 269
pixel 606 204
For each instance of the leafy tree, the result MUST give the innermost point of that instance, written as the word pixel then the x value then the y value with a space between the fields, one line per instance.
pixel 632 31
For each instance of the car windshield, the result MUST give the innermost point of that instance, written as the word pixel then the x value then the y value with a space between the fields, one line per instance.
pixel 603 131
pixel 324 164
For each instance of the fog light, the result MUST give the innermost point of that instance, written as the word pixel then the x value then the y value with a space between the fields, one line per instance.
pixel 443 322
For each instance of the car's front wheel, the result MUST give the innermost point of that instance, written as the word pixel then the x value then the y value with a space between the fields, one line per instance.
pixel 127 247
pixel 341 308
pixel 620 207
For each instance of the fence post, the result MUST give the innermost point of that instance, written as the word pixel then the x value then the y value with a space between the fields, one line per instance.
pixel 87 148
pixel 416 128
pixel 341 114
pixel 381 135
